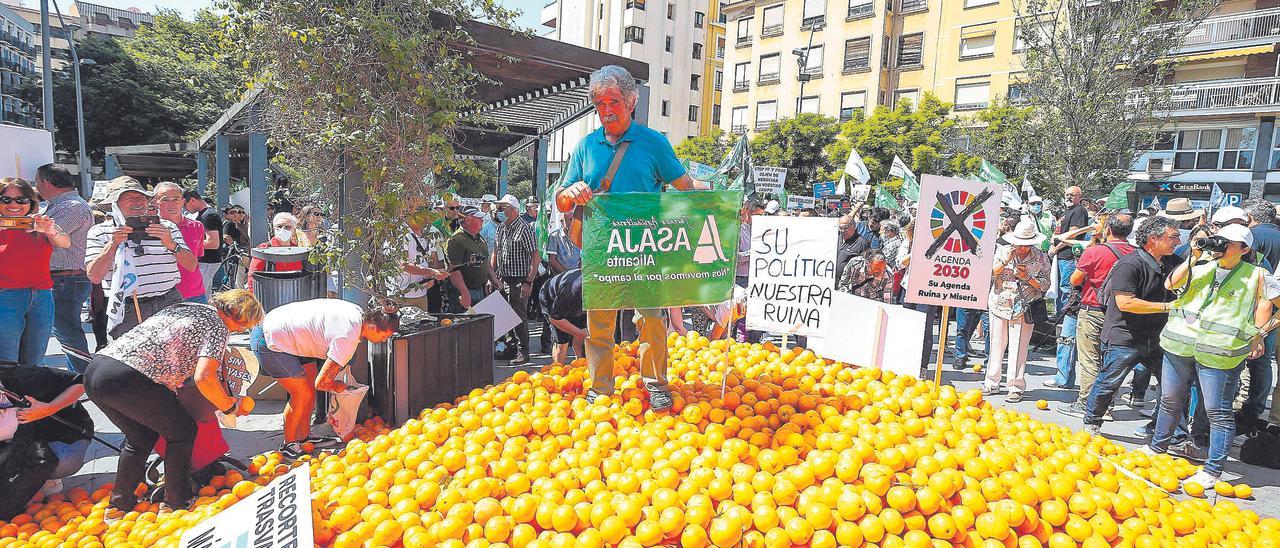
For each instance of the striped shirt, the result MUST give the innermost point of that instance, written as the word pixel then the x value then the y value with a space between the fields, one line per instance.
pixel 157 268
pixel 514 249
pixel 74 217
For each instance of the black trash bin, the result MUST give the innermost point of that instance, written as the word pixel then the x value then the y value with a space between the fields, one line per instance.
pixel 423 366
pixel 274 287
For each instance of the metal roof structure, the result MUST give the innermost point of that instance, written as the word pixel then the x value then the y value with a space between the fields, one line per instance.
pixel 536 86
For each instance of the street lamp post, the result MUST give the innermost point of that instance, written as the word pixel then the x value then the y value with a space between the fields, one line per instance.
pixel 82 155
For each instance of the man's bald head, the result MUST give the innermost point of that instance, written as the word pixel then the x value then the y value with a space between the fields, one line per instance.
pixel 1072 195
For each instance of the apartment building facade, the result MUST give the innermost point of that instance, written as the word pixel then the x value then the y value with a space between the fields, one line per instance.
pixel 17 66
pixel 1224 98
pixel 834 57
pixel 672 36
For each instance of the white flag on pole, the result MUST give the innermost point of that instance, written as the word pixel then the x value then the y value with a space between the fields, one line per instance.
pixel 840 188
pixel 1027 189
pixel 855 168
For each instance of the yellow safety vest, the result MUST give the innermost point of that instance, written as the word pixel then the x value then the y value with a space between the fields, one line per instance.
pixel 1214 322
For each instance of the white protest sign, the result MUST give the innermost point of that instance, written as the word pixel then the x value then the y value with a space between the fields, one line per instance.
pixel 770 179
pixel 473 202
pixel 278 514
pixel 801 202
pixel 99 191
pixel 859 193
pixel 954 242
pixel 873 334
pixel 792 274
pixel 504 317
pixel 22 150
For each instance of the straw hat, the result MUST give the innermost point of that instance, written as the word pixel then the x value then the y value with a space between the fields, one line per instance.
pixel 1025 233
pixel 1180 209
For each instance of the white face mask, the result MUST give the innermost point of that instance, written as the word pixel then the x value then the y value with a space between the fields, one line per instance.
pixel 284 234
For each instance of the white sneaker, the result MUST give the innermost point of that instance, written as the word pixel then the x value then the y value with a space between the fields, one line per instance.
pixel 1093 429
pixel 51 487
pixel 1148 451
pixel 1203 478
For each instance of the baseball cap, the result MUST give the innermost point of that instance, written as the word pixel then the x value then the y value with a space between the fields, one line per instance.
pixel 1228 214
pixel 772 207
pixel 472 211
pixel 489 198
pixel 511 201
pixel 1035 200
pixel 1237 233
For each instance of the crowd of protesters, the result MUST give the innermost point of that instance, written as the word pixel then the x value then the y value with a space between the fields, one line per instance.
pixel 1175 294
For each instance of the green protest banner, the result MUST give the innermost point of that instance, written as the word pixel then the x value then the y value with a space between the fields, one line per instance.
pixel 653 250
pixel 1119 197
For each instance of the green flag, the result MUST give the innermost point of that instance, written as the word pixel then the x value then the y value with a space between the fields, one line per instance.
pixel 736 170
pixel 1119 197
pixel 885 199
pixel 549 219
pixel 660 249
pixel 989 173
pixel 910 190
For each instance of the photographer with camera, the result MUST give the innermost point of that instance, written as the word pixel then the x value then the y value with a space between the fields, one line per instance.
pixel 135 255
pixel 1214 325
pixel 27 240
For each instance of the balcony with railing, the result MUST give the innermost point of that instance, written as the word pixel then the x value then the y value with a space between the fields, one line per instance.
pixel 769 79
pixel 815 23
pixel 1216 97
pixel 763 125
pixel 738 129
pixel 1250 28
pixel 771 31
pixel 741 86
pixel 742 42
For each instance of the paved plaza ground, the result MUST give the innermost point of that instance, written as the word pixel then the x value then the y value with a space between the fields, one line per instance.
pixel 260 431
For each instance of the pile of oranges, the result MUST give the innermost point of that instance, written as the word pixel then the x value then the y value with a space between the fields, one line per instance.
pixel 762 447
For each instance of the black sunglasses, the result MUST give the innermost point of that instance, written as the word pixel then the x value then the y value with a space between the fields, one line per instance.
pixel 20 200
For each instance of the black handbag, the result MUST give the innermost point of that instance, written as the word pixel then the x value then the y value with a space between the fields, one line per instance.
pixel 1037 311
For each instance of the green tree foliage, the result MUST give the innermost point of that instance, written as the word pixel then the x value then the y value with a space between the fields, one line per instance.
pixel 520 176
pixel 707 149
pixel 796 144
pixel 368 88
pixel 920 135
pixel 167 84
pixel 1007 135
pixel 1095 72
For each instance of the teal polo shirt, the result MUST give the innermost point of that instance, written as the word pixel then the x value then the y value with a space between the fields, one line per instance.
pixel 650 161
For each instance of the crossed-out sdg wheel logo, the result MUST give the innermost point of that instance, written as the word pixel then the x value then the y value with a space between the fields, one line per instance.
pixel 957 221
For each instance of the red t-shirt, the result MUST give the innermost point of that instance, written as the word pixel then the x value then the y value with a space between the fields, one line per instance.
pixel 24 260
pixel 1096 263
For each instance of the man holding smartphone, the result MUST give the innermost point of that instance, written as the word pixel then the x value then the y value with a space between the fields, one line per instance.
pixel 135 255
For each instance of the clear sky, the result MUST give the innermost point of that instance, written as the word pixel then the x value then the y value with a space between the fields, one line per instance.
pixel 529 19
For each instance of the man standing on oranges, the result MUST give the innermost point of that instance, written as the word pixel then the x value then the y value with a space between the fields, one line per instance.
pixel 622 156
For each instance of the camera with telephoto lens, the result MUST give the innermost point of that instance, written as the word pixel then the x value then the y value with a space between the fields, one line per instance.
pixel 1212 244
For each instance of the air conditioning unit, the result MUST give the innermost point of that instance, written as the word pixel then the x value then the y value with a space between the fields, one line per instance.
pixel 1160 165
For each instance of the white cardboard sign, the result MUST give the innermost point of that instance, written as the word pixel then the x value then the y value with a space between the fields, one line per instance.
pixel 770 179
pixel 504 317
pixel 792 274
pixel 801 202
pixel 873 334
pixel 954 242
pixel 277 515
pixel 22 150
